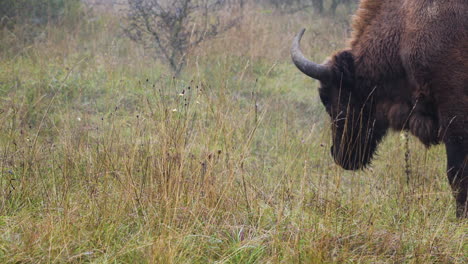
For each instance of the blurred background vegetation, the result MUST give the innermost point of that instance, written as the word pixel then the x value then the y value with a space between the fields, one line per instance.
pixel 207 147
pixel 38 12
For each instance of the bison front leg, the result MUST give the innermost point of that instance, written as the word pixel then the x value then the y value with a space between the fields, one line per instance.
pixel 457 172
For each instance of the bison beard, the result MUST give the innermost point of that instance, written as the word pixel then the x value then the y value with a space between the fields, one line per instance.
pixel 406 69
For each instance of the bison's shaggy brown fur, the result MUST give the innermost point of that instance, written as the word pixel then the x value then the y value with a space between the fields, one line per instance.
pixel 367 11
pixel 406 67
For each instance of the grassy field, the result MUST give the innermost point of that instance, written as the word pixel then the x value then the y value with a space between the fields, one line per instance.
pixel 107 158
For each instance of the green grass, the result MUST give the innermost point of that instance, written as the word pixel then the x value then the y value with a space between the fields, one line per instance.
pixel 104 160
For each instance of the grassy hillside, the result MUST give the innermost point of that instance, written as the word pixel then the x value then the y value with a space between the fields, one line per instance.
pixel 107 158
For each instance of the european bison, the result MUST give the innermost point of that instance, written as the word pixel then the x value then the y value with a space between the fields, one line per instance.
pixel 406 68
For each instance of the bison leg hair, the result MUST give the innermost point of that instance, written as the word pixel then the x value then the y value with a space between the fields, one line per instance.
pixel 457 172
pixel 425 127
pixel 424 123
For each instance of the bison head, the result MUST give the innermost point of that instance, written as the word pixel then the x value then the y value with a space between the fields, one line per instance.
pixel 355 128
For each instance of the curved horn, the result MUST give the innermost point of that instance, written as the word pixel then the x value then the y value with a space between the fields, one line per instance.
pixel 317 71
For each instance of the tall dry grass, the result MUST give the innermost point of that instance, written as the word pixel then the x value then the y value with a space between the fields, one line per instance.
pixel 105 157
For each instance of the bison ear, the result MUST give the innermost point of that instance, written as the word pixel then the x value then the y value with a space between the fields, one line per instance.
pixel 343 69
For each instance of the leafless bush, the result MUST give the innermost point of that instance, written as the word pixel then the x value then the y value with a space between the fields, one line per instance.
pixel 171 28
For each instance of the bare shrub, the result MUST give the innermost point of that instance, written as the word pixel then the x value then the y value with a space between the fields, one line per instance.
pixel 170 29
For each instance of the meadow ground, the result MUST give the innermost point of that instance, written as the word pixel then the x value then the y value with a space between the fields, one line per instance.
pixel 107 158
